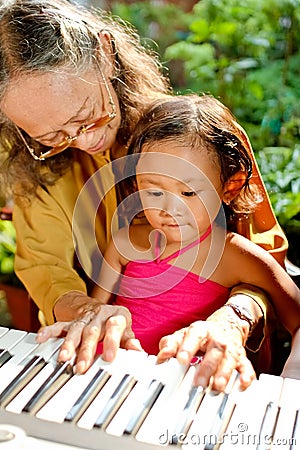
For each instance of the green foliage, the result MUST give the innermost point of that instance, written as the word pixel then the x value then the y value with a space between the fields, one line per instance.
pixel 247 54
pixel 7 248
pixel 159 25
pixel 7 254
pixel 280 169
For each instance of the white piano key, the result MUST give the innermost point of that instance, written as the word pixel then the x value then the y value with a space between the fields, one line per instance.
pixel 69 393
pixel 187 399
pixel 87 396
pixel 198 435
pixel 249 413
pixel 11 338
pixel 289 404
pixel 18 403
pixel 29 371
pixel 164 412
pixel 150 395
pixel 62 372
pixel 118 368
pixel 142 367
pixel 21 355
pixel 224 412
pixel 60 404
pixel 48 349
pixel 115 401
pixel 3 330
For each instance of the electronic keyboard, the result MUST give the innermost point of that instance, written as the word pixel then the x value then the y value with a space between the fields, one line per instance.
pixel 134 403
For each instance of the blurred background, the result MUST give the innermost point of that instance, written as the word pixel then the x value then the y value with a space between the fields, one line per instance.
pixel 244 52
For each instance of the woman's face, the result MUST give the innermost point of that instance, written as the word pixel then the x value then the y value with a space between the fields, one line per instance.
pixel 51 106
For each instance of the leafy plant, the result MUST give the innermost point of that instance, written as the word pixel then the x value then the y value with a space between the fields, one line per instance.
pixel 151 18
pixel 280 168
pixel 7 253
pixel 247 54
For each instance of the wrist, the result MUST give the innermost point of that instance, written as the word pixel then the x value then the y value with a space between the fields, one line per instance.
pixel 245 316
pixel 227 320
pixel 72 305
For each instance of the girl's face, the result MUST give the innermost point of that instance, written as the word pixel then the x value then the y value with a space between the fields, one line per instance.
pixel 180 189
pixel 51 106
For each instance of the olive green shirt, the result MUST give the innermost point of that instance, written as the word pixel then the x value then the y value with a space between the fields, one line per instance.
pixel 58 220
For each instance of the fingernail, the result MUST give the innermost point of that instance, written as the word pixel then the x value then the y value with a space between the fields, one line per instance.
pixel 80 367
pixel 41 334
pixel 183 356
pixel 109 355
pixel 221 382
pixel 63 355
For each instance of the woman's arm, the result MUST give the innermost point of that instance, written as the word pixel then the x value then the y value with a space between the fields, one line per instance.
pixel 262 227
pixel 223 336
pixel 291 368
pixel 95 320
pixel 258 267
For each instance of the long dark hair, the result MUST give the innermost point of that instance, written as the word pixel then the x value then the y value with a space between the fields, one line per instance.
pixel 38 36
pixel 199 122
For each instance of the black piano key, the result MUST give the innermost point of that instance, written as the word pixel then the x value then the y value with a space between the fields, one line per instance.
pixel 29 371
pixel 196 395
pixel 60 375
pixel 268 426
pixel 115 401
pixel 294 439
pixel 218 422
pixel 4 356
pixel 88 395
pixel 142 411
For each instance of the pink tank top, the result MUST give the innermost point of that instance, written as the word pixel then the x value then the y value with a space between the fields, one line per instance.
pixel 163 298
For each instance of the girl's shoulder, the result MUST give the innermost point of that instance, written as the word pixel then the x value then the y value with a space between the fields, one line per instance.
pixel 240 246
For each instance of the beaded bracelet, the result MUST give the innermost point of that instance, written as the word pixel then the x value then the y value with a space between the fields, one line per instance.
pixel 243 314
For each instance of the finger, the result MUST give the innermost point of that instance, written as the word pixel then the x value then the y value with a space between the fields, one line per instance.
pixel 52 331
pixel 72 340
pixel 169 345
pixel 247 372
pixel 215 353
pixel 133 344
pixel 91 335
pixel 109 324
pixel 195 339
pixel 114 329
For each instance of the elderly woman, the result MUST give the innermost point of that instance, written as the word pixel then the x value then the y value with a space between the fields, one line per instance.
pixel 73 84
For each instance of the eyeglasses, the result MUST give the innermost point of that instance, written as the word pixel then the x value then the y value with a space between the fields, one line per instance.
pixel 104 120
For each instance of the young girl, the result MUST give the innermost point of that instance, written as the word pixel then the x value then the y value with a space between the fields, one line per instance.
pixel 192 171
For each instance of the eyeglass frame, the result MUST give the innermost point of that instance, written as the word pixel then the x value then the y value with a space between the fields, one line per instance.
pixel 55 150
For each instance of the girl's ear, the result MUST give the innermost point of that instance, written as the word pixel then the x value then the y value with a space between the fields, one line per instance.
pixel 233 186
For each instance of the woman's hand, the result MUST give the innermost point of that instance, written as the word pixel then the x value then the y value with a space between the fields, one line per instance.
pixel 221 341
pixel 87 322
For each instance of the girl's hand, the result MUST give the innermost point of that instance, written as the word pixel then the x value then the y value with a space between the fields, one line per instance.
pixel 94 322
pixel 220 341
